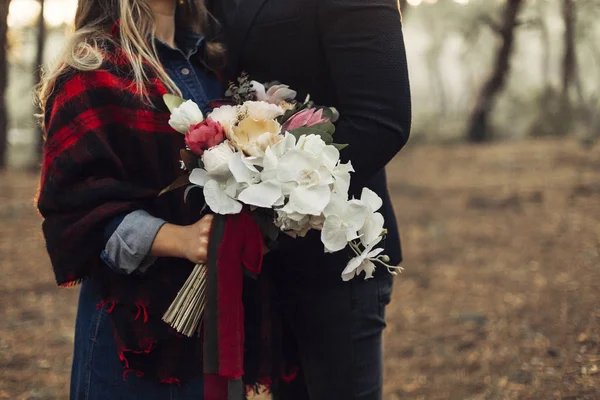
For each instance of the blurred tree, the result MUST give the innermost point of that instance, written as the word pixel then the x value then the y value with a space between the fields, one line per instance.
pixel 541 23
pixel 478 130
pixel 570 76
pixel 568 66
pixel 39 62
pixel 3 81
pixel 433 59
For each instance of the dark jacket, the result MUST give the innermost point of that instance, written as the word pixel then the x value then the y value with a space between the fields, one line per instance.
pixel 344 53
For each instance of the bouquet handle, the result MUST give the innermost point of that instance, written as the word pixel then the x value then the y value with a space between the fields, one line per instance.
pixel 187 311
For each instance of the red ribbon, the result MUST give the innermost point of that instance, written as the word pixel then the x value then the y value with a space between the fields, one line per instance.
pixel 241 247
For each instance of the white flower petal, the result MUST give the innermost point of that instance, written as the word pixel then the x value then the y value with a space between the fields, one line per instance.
pixel 280 202
pixel 261 110
pixel 270 160
pixel 218 201
pixel 240 169
pixel 368 267
pixel 331 156
pixel 232 187
pixel 374 253
pixel 260 90
pixel 351 268
pixel 356 215
pixel 186 115
pixel 372 228
pixel 227 116
pixel 216 158
pixel 198 177
pixel 264 195
pixel 371 198
pixel 341 185
pixel 293 163
pixel 337 206
pixel 282 147
pixel 283 93
pixel 309 200
pixel 333 236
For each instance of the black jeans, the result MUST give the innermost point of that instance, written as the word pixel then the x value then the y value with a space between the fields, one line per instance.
pixel 338 332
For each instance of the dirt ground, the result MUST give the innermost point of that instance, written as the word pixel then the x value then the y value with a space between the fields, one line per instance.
pixel 499 300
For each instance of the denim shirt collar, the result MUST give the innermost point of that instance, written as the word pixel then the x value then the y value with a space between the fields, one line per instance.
pixel 188 43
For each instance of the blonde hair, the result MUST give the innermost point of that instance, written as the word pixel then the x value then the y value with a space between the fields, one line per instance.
pixel 94 22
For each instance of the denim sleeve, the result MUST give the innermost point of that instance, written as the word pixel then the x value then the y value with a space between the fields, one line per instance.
pixel 131 237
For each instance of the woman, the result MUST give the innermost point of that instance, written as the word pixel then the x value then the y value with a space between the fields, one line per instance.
pixel 109 152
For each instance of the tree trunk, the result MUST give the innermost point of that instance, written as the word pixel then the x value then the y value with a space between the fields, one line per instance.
pixel 3 81
pixel 546 45
pixel 478 125
pixel 569 60
pixel 39 62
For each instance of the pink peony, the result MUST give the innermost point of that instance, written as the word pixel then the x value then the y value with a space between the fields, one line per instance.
pixel 205 135
pixel 306 118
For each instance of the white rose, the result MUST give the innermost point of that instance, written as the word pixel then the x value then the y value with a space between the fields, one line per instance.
pixel 262 110
pixel 216 160
pixel 227 116
pixel 186 115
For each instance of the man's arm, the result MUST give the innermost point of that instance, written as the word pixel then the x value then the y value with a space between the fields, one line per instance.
pixel 364 49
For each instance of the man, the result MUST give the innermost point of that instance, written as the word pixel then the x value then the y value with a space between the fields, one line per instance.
pixel 348 54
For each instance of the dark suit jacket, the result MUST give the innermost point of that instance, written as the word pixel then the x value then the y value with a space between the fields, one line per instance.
pixel 344 53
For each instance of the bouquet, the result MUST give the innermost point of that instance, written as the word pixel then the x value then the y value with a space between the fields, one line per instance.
pixel 261 149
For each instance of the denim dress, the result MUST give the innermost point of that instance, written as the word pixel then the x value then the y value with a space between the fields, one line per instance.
pixel 97 373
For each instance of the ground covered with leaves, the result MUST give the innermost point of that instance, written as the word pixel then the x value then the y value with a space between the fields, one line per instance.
pixel 499 300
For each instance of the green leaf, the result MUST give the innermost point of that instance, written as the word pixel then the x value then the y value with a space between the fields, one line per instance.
pixel 326 136
pixel 301 131
pixel 173 101
pixel 331 114
pixel 325 127
pixel 339 146
pixel 179 182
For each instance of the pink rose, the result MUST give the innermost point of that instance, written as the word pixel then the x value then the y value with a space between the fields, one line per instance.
pixel 305 118
pixel 205 135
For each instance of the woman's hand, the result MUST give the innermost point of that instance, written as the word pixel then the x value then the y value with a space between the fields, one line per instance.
pixel 195 240
pixel 189 242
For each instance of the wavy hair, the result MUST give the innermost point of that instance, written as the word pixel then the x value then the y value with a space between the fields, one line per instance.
pixel 94 22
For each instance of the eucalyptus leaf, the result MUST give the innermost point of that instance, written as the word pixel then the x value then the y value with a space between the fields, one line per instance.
pixel 302 131
pixel 173 101
pixel 325 127
pixel 327 113
pixel 339 146
pixel 327 138
pixel 331 113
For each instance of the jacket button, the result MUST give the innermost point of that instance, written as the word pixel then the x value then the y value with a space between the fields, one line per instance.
pixel 185 71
